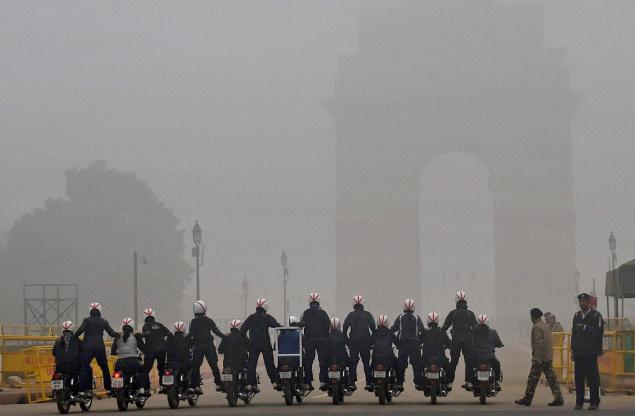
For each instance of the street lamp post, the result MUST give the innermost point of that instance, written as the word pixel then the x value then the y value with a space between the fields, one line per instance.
pixel 197 238
pixel 135 267
pixel 245 295
pixel 285 279
pixel 613 247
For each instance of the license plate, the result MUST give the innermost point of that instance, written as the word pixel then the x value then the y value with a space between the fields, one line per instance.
pixel 483 375
pixel 380 374
pixel 168 380
pixel 432 376
pixel 117 383
pixel 227 377
pixel 57 384
pixel 334 374
pixel 285 374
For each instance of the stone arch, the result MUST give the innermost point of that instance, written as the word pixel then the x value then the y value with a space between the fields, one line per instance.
pixel 437 77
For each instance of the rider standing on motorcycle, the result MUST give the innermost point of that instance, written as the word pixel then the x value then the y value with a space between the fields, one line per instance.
pixel 316 324
pixel 361 325
pixel 337 353
pixel 127 349
pixel 179 349
pixel 485 342
pixel 462 320
pixel 201 328
pixel 409 329
pixel 257 326
pixel 67 351
pixel 155 337
pixel 93 346
pixel 435 342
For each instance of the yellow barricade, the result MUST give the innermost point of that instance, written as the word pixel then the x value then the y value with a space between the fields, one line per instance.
pixel 617 371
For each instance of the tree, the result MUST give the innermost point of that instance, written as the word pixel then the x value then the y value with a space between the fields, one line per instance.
pixel 89 238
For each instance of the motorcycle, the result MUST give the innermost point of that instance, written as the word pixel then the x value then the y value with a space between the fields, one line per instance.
pixel 125 389
pixel 291 384
pixel 177 387
pixel 384 382
pixel 485 385
pixel 66 392
pixel 235 386
pixel 338 383
pixel 435 384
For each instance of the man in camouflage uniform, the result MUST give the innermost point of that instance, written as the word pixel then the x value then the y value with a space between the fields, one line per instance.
pixel 541 361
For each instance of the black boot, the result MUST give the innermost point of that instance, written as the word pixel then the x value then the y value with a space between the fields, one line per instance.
pixel 559 401
pixel 523 402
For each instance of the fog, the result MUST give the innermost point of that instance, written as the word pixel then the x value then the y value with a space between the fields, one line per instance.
pixel 225 109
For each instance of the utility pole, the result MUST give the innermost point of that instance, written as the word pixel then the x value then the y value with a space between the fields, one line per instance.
pixel 135 261
pixel 285 279
pixel 613 248
pixel 245 295
pixel 197 238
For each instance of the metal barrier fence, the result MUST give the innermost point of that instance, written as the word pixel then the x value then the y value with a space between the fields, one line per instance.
pixel 617 371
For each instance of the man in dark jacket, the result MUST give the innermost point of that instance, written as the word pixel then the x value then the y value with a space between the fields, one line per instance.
pixel 359 326
pixel 66 351
pixel 337 353
pixel 586 346
pixel 179 349
pixel 155 336
pixel 316 324
pixel 93 346
pixel 201 328
pixel 234 348
pixel 257 326
pixel 485 340
pixel 462 320
pixel 409 330
pixel 383 341
pixel 435 342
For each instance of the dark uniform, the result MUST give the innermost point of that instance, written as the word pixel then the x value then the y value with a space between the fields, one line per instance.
pixel 485 342
pixel 409 329
pixel 359 326
pixel 462 320
pixel 316 325
pixel 179 352
pixel 201 328
pixel 256 326
pixel 586 346
pixel 383 340
pixel 337 353
pixel 435 342
pixel 93 346
pixel 234 348
pixel 67 354
pixel 155 337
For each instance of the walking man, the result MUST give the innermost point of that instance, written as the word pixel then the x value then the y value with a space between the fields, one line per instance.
pixel 586 346
pixel 541 361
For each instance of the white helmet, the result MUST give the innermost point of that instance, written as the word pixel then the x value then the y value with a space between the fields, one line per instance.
pixel 358 300
pixel 293 319
pixel 236 323
pixel 67 325
pixel 409 305
pixel 482 319
pixel 433 317
pixel 335 323
pixel 148 312
pixel 262 303
pixel 460 295
pixel 199 307
pixel 179 326
pixel 314 297
pixel 95 305
pixel 382 320
pixel 128 322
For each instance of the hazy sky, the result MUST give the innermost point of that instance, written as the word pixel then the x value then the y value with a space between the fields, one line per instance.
pixel 219 106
